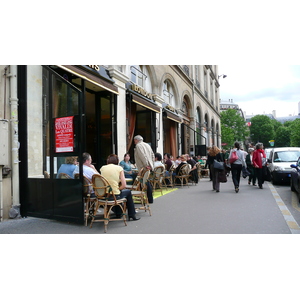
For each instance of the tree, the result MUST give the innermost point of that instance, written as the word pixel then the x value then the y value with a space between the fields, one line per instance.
pixel 276 124
pixel 262 130
pixel 227 137
pixel 234 126
pixel 282 137
pixel 295 133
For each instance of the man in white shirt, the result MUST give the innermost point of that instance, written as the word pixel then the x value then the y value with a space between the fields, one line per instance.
pixel 88 169
pixel 157 161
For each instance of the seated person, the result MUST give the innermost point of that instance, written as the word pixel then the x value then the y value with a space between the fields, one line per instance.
pixel 114 174
pixel 168 161
pixel 127 166
pixel 88 169
pixel 68 167
pixel 157 161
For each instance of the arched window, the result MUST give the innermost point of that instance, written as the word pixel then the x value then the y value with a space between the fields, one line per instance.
pixel 168 93
pixel 137 75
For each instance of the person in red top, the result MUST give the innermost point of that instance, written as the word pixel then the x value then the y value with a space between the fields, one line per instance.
pixel 259 160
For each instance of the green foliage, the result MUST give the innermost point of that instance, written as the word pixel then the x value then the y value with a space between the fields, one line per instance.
pixel 295 133
pixel 282 137
pixel 233 127
pixel 276 124
pixel 227 136
pixel 288 123
pixel 262 130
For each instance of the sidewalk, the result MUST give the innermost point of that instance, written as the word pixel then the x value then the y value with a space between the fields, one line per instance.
pixel 187 210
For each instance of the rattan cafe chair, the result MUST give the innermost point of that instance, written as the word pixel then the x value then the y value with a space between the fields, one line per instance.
pixel 167 180
pixel 183 175
pixel 157 177
pixel 64 176
pixel 140 196
pixel 137 182
pixel 106 199
pixel 89 200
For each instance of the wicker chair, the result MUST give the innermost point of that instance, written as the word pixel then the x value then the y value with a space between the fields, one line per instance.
pixel 106 199
pixel 88 199
pixel 183 174
pixel 140 196
pixel 156 180
pixel 137 182
pixel 64 176
pixel 168 178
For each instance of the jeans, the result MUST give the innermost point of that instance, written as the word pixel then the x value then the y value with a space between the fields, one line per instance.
pixel 236 170
pixel 130 205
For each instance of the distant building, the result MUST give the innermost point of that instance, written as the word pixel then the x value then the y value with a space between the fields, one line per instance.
pixel 224 105
pixel 288 118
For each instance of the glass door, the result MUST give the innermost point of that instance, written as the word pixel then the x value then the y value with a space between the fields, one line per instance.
pixel 54 134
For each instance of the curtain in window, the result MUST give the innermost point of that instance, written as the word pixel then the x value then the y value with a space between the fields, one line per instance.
pixel 173 139
pixel 131 117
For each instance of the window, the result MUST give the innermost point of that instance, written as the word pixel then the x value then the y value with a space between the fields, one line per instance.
pixel 205 84
pixel 197 77
pixel 211 92
pixel 137 76
pixel 168 94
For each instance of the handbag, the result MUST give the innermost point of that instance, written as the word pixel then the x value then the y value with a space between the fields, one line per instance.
pixel 222 176
pixel 233 157
pixel 218 165
pixel 245 172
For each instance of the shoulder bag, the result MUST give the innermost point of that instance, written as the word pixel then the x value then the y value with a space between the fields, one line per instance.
pixel 218 165
pixel 233 157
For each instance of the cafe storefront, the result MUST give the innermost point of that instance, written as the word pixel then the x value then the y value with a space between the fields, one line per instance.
pixel 141 116
pixel 64 111
pixel 171 121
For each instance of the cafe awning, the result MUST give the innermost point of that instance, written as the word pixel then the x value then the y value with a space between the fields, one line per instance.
pixel 145 103
pixel 91 78
pixel 172 116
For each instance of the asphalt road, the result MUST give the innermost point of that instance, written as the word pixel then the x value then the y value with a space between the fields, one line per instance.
pixel 193 210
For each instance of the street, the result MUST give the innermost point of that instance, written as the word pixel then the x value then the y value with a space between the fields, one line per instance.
pixel 193 210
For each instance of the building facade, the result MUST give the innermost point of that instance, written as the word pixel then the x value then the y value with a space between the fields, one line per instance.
pixel 48 113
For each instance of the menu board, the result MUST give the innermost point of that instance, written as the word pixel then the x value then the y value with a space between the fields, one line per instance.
pixel 64 134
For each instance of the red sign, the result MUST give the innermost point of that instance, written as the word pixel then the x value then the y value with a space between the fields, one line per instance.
pixel 223 144
pixel 64 134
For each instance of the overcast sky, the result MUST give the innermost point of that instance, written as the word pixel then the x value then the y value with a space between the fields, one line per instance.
pixel 259 88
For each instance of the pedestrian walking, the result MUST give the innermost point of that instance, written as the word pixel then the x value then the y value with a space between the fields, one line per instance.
pixel 259 161
pixel 237 161
pixel 250 167
pixel 215 154
pixel 144 158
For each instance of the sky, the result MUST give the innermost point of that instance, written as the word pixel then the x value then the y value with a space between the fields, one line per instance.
pixel 260 89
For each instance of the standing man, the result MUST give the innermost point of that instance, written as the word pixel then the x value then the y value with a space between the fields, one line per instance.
pixel 144 158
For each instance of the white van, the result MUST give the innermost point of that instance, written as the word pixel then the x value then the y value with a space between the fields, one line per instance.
pixel 279 163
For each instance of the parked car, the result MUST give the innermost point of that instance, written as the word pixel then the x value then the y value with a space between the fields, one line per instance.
pixel 268 151
pixel 279 163
pixel 295 177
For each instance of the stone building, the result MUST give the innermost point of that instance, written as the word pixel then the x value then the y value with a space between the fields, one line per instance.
pixel 48 113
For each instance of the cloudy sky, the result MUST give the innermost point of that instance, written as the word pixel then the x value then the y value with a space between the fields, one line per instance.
pixel 260 88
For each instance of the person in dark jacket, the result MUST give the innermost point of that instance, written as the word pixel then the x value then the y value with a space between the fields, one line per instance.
pixel 252 176
pixel 215 154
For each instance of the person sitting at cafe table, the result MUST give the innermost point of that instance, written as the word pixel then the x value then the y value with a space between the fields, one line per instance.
pixel 128 167
pixel 68 167
pixel 115 176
